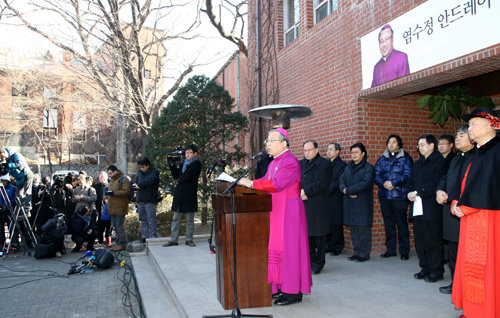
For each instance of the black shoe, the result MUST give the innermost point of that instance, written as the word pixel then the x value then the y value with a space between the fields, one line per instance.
pixel 170 243
pixel 75 249
pixel 446 289
pixel 143 240
pixel 387 255
pixel 420 275
pixel 316 272
pixel 277 295
pixel 432 278
pixel 352 258
pixel 405 257
pixel 190 243
pixel 335 253
pixel 361 259
pixel 288 299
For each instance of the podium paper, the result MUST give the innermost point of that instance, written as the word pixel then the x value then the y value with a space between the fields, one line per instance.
pixel 417 207
pixel 225 177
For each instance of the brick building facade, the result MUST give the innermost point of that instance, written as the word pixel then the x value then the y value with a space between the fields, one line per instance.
pixel 319 65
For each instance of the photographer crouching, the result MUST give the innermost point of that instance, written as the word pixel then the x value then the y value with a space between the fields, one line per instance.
pixel 52 239
pixel 185 194
pixel 83 228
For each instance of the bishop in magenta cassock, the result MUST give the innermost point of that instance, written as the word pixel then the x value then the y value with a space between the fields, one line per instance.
pixel 476 284
pixel 289 268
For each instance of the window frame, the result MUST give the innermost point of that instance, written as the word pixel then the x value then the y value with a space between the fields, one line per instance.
pixel 319 4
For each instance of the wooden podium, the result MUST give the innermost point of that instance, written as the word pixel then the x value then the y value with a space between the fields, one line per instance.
pixel 252 236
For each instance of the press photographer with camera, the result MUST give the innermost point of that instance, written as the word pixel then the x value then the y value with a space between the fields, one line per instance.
pixel 147 197
pixel 84 194
pixel 83 228
pixel 185 194
pixel 52 239
pixel 15 164
pixel 5 202
pixel 117 196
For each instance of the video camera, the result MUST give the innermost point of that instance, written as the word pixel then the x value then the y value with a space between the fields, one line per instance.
pixel 176 155
pixel 3 167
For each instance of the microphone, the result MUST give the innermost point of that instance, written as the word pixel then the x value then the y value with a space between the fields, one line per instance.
pixel 222 165
pixel 259 155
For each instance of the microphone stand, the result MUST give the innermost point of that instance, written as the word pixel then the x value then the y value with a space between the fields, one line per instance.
pixel 236 313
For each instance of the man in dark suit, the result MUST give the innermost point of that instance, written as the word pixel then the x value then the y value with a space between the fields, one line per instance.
pixel 335 240
pixel 185 194
pixel 316 172
pixel 448 190
pixel 427 213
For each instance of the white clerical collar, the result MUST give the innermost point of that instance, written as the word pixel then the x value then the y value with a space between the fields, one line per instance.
pixel 282 153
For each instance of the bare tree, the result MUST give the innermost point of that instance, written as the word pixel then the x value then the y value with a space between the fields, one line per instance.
pixel 122 45
pixel 237 12
pixel 50 110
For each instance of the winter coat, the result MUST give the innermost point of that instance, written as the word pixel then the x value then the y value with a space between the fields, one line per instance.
pixel 427 172
pixel 397 170
pixel 358 180
pixel 17 167
pixel 118 202
pixel 148 183
pixel 315 179
pixel 336 197
pixel 81 224
pixel 186 191
pixel 450 183
pixel 89 198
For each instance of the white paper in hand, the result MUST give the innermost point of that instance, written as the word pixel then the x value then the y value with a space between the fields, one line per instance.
pixel 418 209
pixel 225 177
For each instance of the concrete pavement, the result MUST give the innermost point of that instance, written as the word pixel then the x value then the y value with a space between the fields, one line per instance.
pixel 376 288
pixel 32 287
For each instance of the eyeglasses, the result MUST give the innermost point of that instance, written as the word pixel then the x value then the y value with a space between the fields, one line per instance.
pixel 270 140
pixel 385 39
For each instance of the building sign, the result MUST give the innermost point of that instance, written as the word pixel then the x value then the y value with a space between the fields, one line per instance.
pixel 432 33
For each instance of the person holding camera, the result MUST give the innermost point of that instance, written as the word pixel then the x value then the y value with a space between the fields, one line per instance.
pixel 83 228
pixel 117 196
pixel 15 164
pixel 7 202
pixel 147 197
pixel 53 232
pixel 84 194
pixel 185 194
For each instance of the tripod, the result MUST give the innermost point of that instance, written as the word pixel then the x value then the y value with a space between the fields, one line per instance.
pixel 236 313
pixel 16 215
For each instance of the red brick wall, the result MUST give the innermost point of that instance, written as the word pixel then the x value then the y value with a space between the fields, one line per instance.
pixel 322 69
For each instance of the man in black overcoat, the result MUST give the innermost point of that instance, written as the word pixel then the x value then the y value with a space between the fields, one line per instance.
pixel 185 194
pixel 335 240
pixel 448 190
pixel 316 172
pixel 428 225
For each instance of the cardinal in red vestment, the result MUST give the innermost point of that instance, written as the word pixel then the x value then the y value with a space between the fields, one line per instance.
pixel 476 285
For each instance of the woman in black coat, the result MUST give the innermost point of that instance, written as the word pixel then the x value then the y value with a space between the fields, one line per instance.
pixel 356 184
pixel 428 226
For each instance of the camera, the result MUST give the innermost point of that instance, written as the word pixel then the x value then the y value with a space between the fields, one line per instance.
pixel 176 155
pixel 3 167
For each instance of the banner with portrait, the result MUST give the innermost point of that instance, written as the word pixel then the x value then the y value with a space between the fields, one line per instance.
pixel 432 33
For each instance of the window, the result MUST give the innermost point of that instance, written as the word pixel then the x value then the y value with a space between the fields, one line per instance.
pixel 323 8
pixel 19 90
pixel 50 118
pixel 291 16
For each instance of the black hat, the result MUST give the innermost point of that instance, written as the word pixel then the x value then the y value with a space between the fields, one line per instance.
pixel 482 112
